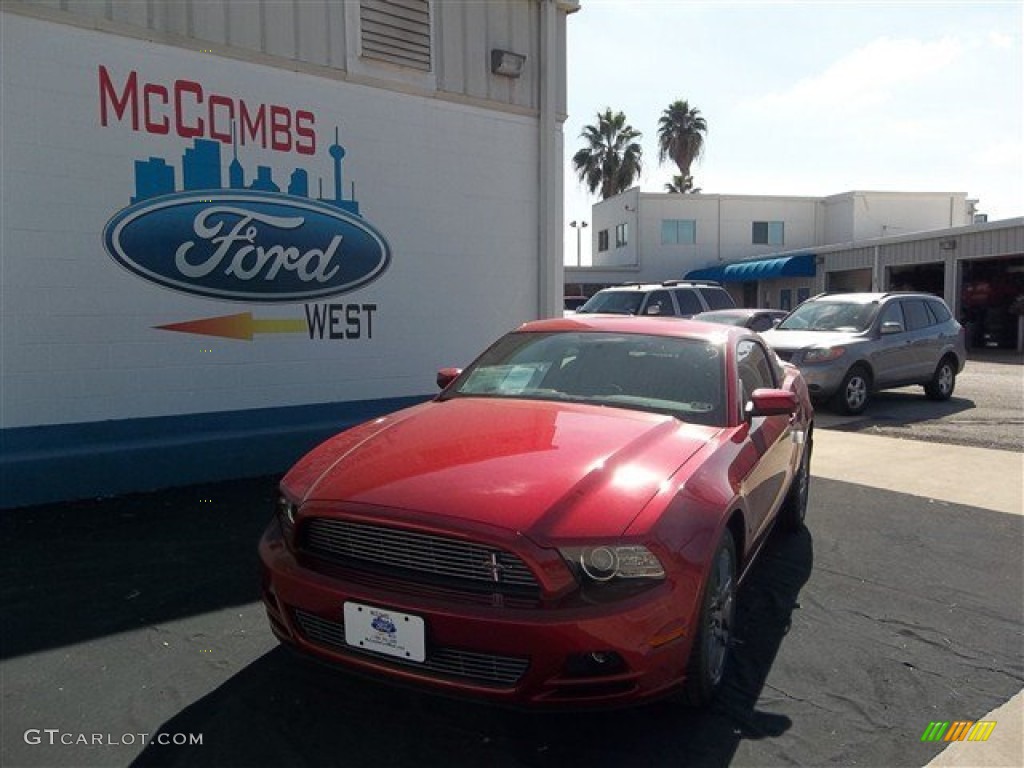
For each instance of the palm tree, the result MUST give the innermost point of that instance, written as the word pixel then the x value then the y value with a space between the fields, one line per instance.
pixel 681 186
pixel 611 160
pixel 681 132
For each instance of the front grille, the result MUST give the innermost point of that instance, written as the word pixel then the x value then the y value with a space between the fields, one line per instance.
pixel 416 555
pixel 481 668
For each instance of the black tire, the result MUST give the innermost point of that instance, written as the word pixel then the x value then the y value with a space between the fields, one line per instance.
pixel 854 393
pixel 794 507
pixel 714 631
pixel 943 381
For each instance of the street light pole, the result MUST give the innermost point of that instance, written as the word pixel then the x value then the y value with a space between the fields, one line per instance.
pixel 579 227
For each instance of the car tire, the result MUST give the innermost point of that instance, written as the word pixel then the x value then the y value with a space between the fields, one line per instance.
pixel 943 381
pixel 710 650
pixel 794 507
pixel 855 391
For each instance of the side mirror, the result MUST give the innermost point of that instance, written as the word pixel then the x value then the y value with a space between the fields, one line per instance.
pixel 446 376
pixel 771 402
pixel 891 327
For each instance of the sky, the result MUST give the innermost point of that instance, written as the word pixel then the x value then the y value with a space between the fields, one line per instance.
pixel 809 98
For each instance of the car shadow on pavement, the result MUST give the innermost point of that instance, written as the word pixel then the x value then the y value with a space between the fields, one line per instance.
pixel 283 710
pixel 77 571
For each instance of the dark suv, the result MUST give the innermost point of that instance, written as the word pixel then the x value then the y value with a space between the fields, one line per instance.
pixel 673 298
pixel 848 345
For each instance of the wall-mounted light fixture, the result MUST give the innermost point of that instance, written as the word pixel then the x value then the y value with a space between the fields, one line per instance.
pixel 507 63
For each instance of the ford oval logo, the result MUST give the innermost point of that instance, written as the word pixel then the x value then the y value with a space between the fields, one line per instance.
pixel 249 246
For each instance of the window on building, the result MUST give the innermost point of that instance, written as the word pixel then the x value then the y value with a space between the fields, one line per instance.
pixel 396 31
pixel 621 235
pixel 678 231
pixel 602 240
pixel 786 299
pixel 768 233
pixel 802 295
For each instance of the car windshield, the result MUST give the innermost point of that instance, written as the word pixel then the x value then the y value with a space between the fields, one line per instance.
pixel 613 302
pixel 676 376
pixel 830 316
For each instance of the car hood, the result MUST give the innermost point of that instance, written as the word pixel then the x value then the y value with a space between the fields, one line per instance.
pixel 548 470
pixel 802 339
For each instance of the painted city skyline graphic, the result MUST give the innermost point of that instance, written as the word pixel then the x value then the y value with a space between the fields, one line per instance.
pixel 202 169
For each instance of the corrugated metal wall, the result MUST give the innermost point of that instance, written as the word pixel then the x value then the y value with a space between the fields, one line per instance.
pixel 386 40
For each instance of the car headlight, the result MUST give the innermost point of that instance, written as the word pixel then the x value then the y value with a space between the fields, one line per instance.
pixel 286 511
pixel 605 563
pixel 823 355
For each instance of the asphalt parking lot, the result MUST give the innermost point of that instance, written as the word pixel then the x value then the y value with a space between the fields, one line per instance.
pixel 895 607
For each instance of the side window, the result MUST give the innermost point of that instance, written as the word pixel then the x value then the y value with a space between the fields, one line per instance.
pixel 892 314
pixel 659 304
pixel 917 314
pixel 689 304
pixel 717 298
pixel 755 370
pixel 940 310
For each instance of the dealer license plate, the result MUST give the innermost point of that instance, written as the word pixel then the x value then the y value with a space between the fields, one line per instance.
pixel 385 631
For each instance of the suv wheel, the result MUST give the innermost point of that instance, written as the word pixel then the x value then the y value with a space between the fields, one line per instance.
pixel 943 381
pixel 855 391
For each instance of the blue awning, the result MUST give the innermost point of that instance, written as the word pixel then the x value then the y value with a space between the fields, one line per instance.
pixel 801 265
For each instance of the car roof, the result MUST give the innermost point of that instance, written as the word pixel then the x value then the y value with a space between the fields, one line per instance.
pixel 661 286
pixel 867 298
pixel 654 326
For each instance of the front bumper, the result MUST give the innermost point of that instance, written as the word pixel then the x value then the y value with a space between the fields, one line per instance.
pixel 823 379
pixel 531 656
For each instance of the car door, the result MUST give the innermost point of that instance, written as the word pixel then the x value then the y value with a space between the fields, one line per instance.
pixel 925 344
pixel 891 359
pixel 769 454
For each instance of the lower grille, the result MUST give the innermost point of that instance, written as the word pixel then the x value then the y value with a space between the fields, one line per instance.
pixel 481 668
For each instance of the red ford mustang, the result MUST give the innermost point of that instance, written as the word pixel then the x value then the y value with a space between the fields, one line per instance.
pixel 565 524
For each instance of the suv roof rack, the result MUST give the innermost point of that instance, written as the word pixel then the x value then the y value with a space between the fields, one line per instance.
pixel 670 283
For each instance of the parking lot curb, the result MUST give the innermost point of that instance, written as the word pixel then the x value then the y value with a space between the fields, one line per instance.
pixel 977 477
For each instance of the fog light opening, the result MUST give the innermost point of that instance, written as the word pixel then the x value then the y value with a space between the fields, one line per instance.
pixel 594 664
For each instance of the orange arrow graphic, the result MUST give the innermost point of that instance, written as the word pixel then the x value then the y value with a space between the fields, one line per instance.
pixel 240 326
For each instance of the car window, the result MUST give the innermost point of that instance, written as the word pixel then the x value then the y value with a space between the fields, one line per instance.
pixel 676 376
pixel 659 304
pixel 940 310
pixel 613 302
pixel 892 313
pixel 760 323
pixel 755 370
pixel 689 303
pixel 717 298
pixel 916 313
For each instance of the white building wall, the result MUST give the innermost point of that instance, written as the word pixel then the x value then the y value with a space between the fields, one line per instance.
pixel 85 341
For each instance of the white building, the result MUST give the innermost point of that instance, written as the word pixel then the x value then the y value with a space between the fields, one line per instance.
pixel 231 228
pixel 774 251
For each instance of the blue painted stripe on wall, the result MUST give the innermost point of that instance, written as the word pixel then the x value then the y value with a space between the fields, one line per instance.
pixel 41 465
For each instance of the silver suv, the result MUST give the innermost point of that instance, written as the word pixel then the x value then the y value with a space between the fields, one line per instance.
pixel 848 345
pixel 672 298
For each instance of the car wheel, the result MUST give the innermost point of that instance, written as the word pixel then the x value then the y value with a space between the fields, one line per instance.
pixel 794 508
pixel 855 391
pixel 714 632
pixel 943 381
